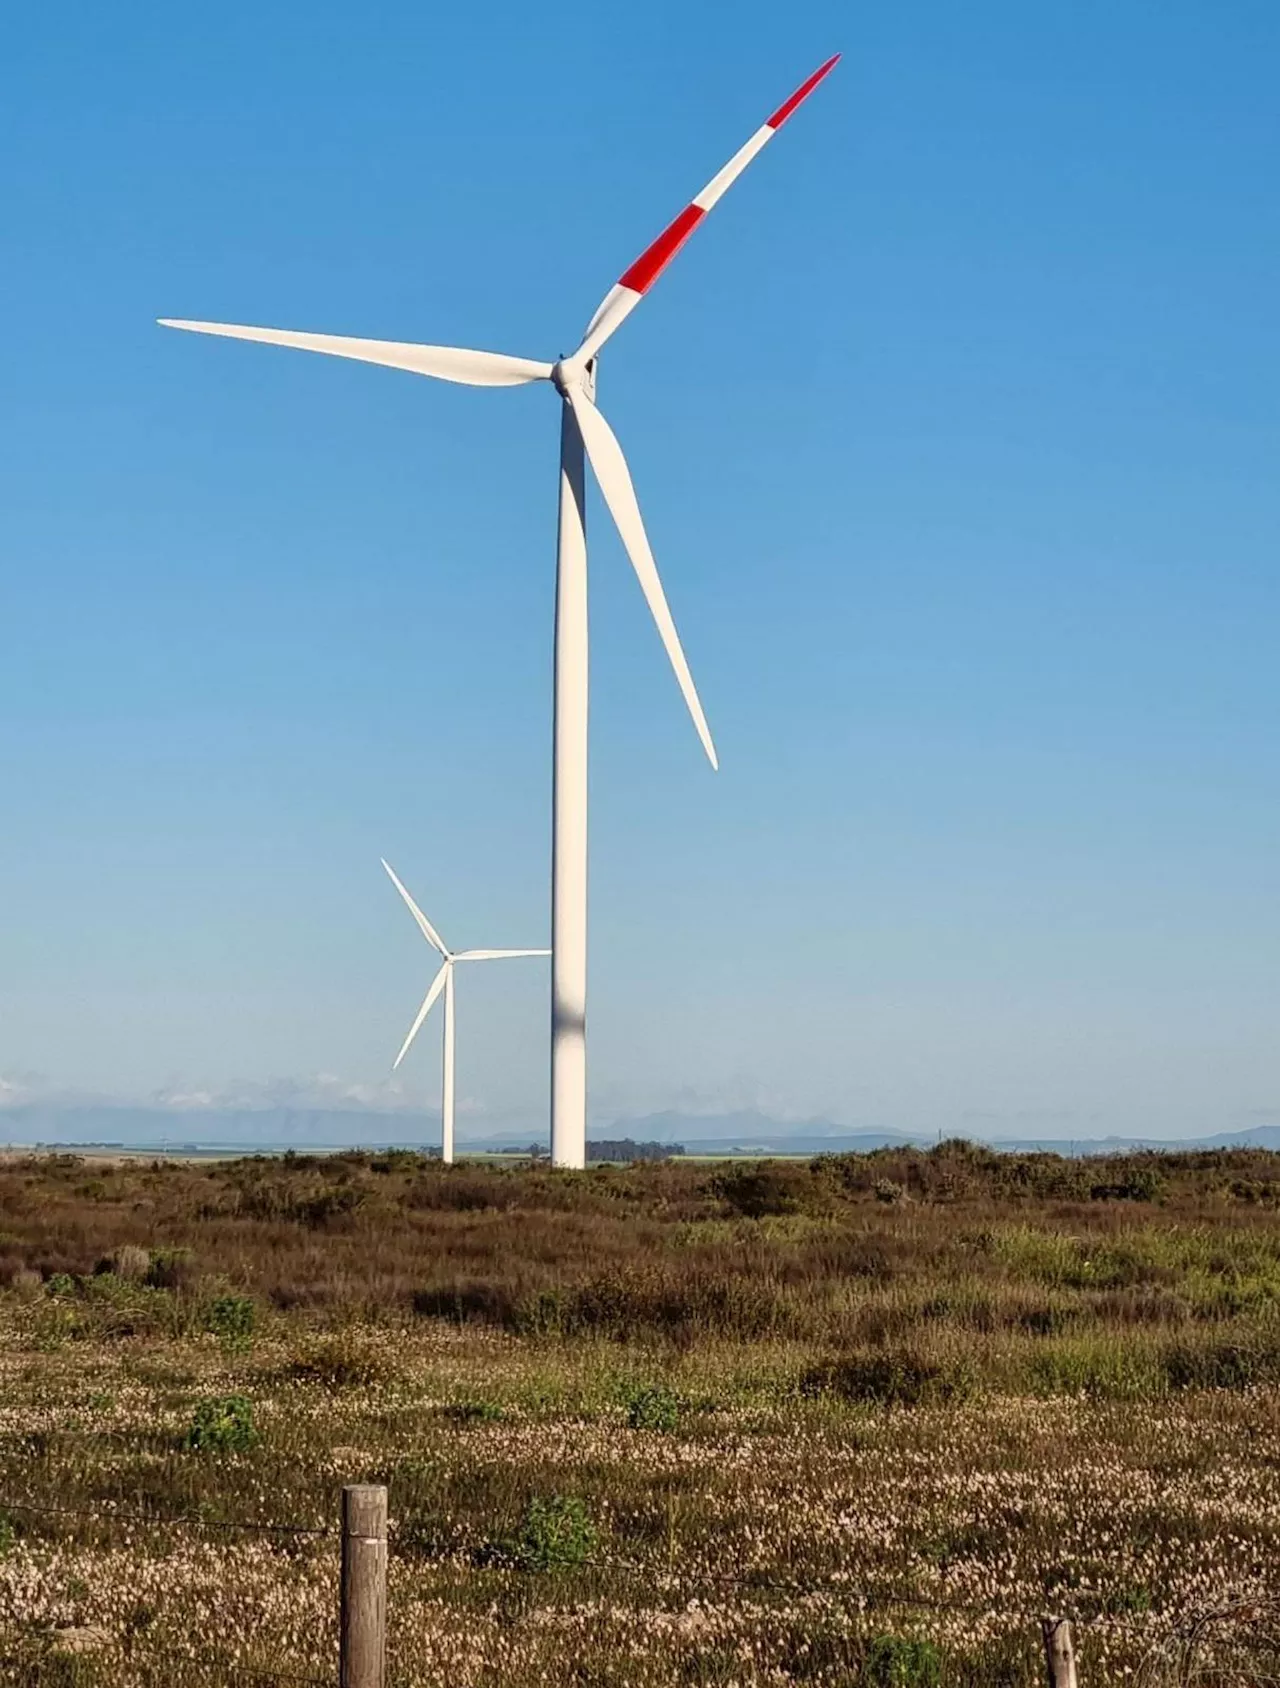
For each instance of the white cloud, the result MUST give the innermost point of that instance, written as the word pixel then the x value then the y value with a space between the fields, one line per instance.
pixel 326 1092
pixel 322 1092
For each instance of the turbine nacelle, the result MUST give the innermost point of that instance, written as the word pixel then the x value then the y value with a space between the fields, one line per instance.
pixel 574 374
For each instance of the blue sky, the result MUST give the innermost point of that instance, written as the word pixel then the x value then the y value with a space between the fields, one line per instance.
pixel 956 433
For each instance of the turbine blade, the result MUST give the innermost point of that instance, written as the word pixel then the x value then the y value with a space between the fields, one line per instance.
pixel 635 282
pixel 424 925
pixel 447 363
pixel 428 1002
pixel 611 471
pixel 496 955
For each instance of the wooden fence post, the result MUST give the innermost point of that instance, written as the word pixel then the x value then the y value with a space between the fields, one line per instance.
pixel 1059 1654
pixel 364 1586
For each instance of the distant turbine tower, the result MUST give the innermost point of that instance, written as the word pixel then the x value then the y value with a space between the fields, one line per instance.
pixel 443 981
pixel 581 425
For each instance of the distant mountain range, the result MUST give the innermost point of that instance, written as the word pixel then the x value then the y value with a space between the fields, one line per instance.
pixel 272 1129
pixel 744 1133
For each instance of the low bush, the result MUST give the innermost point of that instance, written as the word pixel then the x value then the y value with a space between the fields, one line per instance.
pixel 899 1662
pixel 232 1318
pixel 470 1303
pixel 1221 1365
pixel 308 1204
pixel 222 1425
pixel 348 1359
pixel 1139 1184
pixel 476 1412
pixel 171 1268
pixel 886 1190
pixel 900 1378
pixel 653 1407
pixel 774 1188
pixel 555 1532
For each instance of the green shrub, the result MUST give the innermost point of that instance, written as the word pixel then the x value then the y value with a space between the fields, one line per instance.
pixel 653 1407
pixel 556 1531
pixel 232 1318
pixel 896 1662
pixel 60 1284
pixel 108 1290
pixel 8 1535
pixel 222 1424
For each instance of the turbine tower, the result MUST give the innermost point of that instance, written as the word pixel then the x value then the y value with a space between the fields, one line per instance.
pixel 443 981
pixel 583 430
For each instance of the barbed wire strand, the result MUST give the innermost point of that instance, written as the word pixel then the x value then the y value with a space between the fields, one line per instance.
pixel 225 1662
pixel 869 1599
pixel 162 1520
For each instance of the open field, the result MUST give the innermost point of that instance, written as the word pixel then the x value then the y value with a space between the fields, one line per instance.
pixel 856 1420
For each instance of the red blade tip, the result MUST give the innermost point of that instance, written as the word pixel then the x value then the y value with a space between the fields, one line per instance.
pixel 802 92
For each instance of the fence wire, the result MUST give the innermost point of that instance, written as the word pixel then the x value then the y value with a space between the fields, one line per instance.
pixel 867 1598
pixel 1171 1639
pixel 186 1521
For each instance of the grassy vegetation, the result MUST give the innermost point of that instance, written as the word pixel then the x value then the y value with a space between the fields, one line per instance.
pixel 854 1420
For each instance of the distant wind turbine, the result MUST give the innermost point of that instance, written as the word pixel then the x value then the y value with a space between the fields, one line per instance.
pixel 581 426
pixel 443 981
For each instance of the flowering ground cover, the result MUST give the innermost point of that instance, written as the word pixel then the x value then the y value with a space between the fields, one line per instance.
pixel 860 1421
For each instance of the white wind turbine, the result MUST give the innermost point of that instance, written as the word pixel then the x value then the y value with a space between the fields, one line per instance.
pixel 582 425
pixel 443 981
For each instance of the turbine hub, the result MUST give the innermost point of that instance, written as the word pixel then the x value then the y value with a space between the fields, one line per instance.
pixel 568 373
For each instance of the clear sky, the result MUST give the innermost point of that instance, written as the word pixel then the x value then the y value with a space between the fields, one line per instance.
pixel 955 428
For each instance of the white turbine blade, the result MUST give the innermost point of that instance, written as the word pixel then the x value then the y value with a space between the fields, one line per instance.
pixel 621 299
pixel 437 985
pixel 447 363
pixel 495 955
pixel 424 925
pixel 611 471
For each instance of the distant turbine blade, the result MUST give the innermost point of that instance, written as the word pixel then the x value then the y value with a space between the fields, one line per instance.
pixel 424 925
pixel 495 955
pixel 634 283
pixel 611 471
pixel 447 363
pixel 437 985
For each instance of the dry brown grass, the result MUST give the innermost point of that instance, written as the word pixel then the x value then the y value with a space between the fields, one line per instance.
pixel 852 1421
pixel 1132 1275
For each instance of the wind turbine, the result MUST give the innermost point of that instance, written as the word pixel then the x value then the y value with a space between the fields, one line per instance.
pixel 443 981
pixel 581 426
